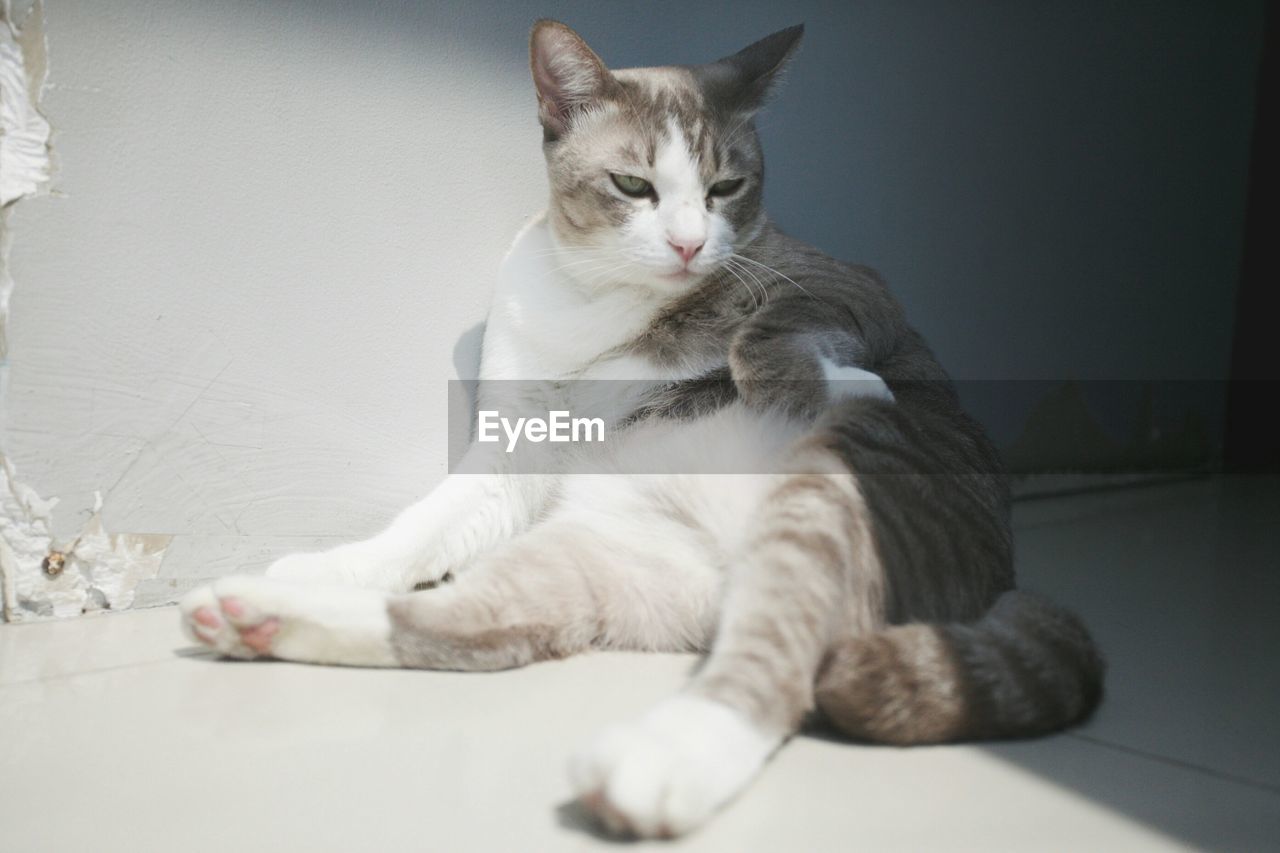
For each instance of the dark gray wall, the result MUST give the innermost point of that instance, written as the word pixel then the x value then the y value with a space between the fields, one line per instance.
pixel 1054 190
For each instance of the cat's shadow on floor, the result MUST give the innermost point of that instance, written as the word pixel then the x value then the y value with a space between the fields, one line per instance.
pixel 573 815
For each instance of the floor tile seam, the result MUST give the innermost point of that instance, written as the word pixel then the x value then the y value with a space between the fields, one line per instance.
pixel 64 676
pixel 1180 763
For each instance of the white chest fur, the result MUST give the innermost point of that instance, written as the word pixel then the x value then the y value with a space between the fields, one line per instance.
pixel 546 325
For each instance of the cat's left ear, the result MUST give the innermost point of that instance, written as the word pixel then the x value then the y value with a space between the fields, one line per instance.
pixel 742 82
pixel 566 72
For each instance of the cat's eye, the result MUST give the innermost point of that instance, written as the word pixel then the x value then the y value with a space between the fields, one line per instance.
pixel 631 185
pixel 726 187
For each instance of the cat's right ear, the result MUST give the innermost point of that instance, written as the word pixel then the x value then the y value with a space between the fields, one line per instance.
pixel 742 82
pixel 566 73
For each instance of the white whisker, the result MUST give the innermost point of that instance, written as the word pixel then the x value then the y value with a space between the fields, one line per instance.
pixel 578 263
pixel 779 274
pixel 607 276
pixel 746 271
pixel 754 301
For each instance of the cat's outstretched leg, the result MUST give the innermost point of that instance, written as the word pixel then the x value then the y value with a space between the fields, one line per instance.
pixel 557 590
pixel 440 535
pixel 669 771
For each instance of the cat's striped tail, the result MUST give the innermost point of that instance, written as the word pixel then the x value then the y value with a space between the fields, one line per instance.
pixel 1028 667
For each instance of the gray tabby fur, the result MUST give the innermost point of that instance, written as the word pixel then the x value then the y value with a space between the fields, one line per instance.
pixel 922 542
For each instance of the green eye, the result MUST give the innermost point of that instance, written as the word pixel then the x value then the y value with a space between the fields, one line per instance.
pixel 632 186
pixel 724 188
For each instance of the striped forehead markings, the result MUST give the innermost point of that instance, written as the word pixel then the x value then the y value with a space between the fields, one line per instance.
pixel 676 167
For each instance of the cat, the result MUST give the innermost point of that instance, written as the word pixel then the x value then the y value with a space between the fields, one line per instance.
pixel 856 571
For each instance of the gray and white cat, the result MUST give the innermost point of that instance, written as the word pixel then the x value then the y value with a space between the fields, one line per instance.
pixel 859 569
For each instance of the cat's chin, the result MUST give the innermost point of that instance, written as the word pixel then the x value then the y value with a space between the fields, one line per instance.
pixel 673 282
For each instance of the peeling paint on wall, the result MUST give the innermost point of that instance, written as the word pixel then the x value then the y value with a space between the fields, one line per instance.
pixel 24 132
pixel 41 578
pixel 24 137
pixel 93 570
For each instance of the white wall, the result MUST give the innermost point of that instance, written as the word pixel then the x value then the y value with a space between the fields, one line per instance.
pixel 272 224
pixel 234 315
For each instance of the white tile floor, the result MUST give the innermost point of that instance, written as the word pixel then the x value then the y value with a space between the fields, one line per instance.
pixel 115 735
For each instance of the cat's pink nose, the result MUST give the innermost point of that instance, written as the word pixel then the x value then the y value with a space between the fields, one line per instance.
pixel 686 249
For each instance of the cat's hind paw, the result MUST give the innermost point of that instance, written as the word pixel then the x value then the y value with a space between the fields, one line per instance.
pixel 251 617
pixel 667 773
pixel 230 622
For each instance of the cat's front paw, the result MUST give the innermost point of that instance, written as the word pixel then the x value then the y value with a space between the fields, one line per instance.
pixel 665 774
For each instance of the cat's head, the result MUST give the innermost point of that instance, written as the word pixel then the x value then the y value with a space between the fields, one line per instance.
pixel 656 173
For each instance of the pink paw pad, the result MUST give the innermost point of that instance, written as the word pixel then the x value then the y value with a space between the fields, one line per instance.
pixel 233 607
pixel 258 637
pixel 207 617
